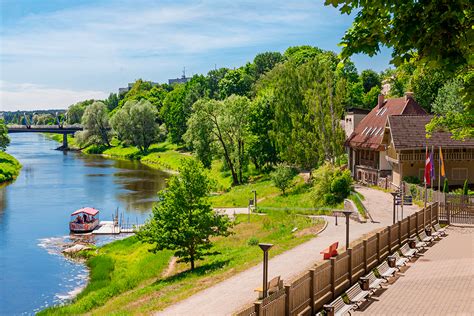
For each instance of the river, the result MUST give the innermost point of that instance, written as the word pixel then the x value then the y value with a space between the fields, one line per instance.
pixel 34 215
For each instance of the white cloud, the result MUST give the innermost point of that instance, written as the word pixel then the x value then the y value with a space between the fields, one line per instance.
pixel 28 96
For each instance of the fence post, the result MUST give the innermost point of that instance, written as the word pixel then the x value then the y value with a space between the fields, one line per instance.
pixel 400 233
pixel 287 299
pixel 409 225
pixel 389 239
pixel 333 277
pixel 416 223
pixel 437 212
pixel 431 214
pixel 311 290
pixel 364 243
pixel 448 212
pixel 258 308
pixel 349 253
pixel 378 248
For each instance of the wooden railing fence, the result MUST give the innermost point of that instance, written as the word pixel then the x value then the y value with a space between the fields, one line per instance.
pixel 307 293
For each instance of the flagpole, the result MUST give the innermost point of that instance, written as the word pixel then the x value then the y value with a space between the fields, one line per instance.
pixel 424 211
pixel 439 169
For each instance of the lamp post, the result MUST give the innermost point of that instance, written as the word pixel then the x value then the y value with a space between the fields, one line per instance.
pixel 394 194
pixel 265 248
pixel 347 213
pixel 254 198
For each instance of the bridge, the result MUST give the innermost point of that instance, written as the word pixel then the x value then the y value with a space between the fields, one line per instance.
pixel 56 129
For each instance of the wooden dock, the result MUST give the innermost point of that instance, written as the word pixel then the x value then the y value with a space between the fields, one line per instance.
pixel 111 228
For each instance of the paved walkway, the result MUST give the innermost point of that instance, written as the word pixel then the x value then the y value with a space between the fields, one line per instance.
pixel 230 295
pixel 439 283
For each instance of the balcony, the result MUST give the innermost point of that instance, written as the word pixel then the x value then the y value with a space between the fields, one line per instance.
pixel 421 156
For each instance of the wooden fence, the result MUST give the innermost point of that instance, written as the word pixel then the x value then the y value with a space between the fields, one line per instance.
pixel 307 293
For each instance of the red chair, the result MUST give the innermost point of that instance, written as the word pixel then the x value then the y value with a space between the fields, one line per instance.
pixel 331 251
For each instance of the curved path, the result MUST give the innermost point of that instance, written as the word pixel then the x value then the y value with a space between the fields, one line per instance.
pixel 230 295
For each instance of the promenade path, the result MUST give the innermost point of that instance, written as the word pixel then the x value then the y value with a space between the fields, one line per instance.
pixel 439 283
pixel 230 295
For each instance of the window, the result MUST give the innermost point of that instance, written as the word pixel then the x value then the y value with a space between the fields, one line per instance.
pixel 382 130
pixel 365 129
pixel 459 173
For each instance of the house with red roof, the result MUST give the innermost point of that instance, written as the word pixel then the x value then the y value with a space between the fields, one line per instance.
pixel 365 147
pixel 390 144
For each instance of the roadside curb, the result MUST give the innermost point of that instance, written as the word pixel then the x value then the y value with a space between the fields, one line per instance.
pixel 326 223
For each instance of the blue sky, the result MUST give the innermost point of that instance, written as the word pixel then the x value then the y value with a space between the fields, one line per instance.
pixel 57 52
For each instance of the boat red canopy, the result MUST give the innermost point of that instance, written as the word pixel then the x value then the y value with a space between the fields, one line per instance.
pixel 87 210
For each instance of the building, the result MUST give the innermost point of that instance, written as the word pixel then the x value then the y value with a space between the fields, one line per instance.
pixel 130 86
pixel 406 143
pixel 352 119
pixel 365 147
pixel 183 79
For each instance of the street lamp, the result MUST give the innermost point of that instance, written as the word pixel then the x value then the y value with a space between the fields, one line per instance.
pixel 265 248
pixel 254 198
pixel 347 213
pixel 394 194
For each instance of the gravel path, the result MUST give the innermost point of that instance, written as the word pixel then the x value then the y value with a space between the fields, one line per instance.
pixel 230 295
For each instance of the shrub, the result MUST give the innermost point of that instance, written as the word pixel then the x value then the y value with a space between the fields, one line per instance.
pixel 282 177
pixel 412 179
pixel 331 185
pixel 253 241
pixel 446 186
pixel 465 188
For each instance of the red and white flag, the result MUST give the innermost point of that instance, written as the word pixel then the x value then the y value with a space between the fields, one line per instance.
pixel 428 167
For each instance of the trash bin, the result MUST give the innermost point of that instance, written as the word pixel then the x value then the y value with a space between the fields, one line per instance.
pixel 412 242
pixel 364 283
pixel 392 261
pixel 428 230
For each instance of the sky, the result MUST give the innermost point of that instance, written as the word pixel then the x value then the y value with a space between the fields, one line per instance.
pixel 58 52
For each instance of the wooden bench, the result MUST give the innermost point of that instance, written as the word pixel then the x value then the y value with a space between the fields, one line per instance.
pixel 331 251
pixel 338 307
pixel 400 261
pixel 374 282
pixel 272 286
pixel 439 231
pixel 408 252
pixel 356 295
pixel 385 271
pixel 425 238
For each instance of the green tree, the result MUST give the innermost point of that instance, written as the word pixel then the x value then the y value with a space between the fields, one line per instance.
pixel 75 112
pixel 370 79
pixel 222 125
pixel 175 114
pixel 440 32
pixel 371 97
pixel 184 220
pixel 112 101
pixel 425 84
pixel 449 98
pixel 266 61
pixel 135 123
pixel 282 177
pixel 43 119
pixel 302 54
pixel 235 82
pixel 4 139
pixel 331 185
pixel 213 79
pixel 96 125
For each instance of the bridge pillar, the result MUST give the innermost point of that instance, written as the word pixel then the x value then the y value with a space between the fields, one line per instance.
pixel 65 147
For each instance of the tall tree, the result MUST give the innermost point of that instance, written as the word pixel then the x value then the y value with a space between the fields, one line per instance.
pixel 96 125
pixel 136 123
pixel 184 220
pixel 112 101
pixel 235 82
pixel 266 61
pixel 175 114
pixel 370 79
pixel 75 112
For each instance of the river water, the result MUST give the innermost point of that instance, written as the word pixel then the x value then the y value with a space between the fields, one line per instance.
pixel 34 215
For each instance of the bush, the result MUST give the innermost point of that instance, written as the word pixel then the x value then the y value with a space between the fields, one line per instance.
pixel 412 179
pixel 465 188
pixel 282 177
pixel 253 241
pixel 331 185
pixel 446 186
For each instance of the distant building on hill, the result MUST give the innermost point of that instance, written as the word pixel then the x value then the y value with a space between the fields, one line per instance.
pixel 183 79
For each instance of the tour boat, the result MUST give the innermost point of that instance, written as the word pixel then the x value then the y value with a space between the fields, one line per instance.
pixel 84 220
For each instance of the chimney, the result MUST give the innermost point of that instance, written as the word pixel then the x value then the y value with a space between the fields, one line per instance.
pixel 380 100
pixel 408 95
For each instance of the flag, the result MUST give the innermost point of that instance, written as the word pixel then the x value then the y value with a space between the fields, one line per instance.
pixel 427 169
pixel 432 171
pixel 443 174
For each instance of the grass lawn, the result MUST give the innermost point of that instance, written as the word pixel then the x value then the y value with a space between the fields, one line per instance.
pixel 9 167
pixel 135 278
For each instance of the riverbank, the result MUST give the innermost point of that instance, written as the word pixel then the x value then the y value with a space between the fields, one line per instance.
pixel 9 167
pixel 126 278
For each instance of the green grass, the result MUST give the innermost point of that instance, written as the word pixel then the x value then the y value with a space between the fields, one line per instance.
pixel 126 278
pixel 357 198
pixel 9 167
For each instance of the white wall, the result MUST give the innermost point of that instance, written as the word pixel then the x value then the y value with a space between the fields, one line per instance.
pixel 383 163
